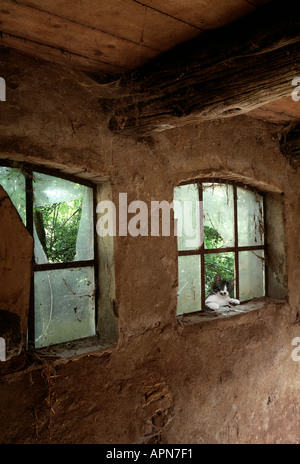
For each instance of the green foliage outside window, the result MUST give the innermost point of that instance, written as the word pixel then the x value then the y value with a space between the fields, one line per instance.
pixel 216 263
pixel 57 228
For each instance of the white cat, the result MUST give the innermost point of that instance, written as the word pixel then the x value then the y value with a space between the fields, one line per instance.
pixel 220 295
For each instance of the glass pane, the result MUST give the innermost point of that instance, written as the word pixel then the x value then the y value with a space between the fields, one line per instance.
pixel 218 263
pixel 189 284
pixel 250 218
pixel 63 220
pixel 13 182
pixel 252 274
pixel 187 215
pixel 64 305
pixel 218 207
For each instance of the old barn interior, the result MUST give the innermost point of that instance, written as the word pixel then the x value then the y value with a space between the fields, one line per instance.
pixel 110 107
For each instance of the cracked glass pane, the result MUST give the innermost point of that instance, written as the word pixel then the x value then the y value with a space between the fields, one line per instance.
pixel 189 284
pixel 250 218
pixel 187 216
pixel 13 182
pixel 252 274
pixel 63 220
pixel 218 207
pixel 64 305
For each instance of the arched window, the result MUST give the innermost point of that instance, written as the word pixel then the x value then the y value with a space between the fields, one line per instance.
pixel 221 230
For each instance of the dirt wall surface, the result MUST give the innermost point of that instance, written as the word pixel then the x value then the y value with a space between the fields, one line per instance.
pixel 16 246
pixel 228 380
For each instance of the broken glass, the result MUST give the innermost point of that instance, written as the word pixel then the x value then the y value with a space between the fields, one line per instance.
pixel 64 305
pixel 13 182
pixel 63 220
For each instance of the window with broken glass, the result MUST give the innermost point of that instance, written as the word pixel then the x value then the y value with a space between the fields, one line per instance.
pixel 59 213
pixel 221 232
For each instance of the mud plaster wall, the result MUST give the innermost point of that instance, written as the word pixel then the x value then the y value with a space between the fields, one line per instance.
pixel 16 247
pixel 223 381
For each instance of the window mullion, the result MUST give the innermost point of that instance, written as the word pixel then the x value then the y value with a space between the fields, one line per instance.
pixel 265 247
pixel 96 256
pixel 29 226
pixel 202 260
pixel 66 265
pixel 236 244
pixel 29 201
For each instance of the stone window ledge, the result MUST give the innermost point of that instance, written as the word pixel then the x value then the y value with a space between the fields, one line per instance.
pixel 228 313
pixel 74 349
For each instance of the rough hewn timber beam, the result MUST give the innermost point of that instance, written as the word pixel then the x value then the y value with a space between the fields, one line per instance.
pixel 219 74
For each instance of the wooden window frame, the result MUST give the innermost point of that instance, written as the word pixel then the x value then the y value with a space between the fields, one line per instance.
pixel 202 251
pixel 28 172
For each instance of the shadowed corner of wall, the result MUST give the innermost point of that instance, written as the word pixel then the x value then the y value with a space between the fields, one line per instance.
pixel 16 251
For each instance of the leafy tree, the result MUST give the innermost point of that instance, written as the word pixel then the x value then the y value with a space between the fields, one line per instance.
pixel 57 228
pixel 216 263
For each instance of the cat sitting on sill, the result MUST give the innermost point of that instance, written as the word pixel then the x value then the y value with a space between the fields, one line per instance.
pixel 220 295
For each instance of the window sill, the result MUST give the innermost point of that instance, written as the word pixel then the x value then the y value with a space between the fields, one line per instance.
pixel 73 349
pixel 55 354
pixel 226 312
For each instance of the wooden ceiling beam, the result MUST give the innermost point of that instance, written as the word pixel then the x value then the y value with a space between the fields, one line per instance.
pixel 219 74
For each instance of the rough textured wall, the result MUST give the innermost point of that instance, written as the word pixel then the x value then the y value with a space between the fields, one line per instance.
pixel 223 381
pixel 16 247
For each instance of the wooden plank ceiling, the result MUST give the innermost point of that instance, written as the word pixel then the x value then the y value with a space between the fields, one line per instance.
pixel 110 37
